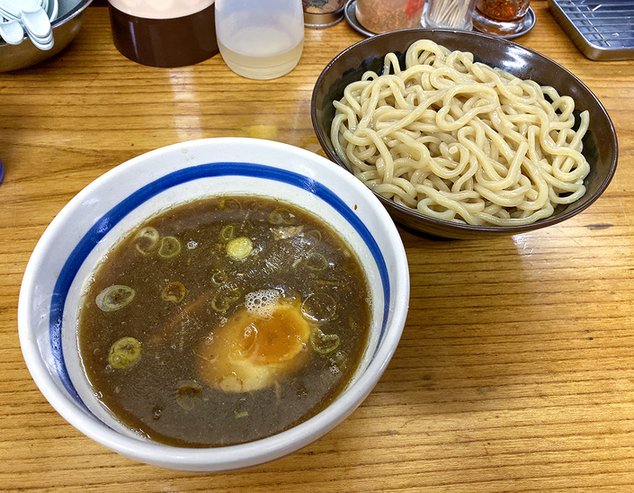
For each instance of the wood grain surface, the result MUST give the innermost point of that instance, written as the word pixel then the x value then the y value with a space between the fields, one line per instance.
pixel 515 372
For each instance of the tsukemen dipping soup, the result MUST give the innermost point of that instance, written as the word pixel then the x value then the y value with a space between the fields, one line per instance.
pixel 224 321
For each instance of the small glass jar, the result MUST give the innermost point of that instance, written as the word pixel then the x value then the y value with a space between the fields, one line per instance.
pixel 501 17
pixel 455 14
pixel 380 16
pixel 322 13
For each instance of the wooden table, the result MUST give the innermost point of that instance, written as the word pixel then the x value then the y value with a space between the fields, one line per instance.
pixel 516 368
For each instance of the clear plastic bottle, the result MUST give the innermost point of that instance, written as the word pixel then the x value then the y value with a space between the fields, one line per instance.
pixel 260 39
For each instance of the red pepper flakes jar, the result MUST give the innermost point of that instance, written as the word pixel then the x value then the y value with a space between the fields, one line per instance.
pixel 500 16
pixel 380 16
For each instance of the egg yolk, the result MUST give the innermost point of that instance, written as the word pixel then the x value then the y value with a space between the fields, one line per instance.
pixel 251 352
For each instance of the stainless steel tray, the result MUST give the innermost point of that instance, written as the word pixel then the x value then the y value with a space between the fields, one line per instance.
pixel 601 30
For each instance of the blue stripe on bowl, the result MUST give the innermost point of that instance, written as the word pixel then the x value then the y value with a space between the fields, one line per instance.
pixel 118 212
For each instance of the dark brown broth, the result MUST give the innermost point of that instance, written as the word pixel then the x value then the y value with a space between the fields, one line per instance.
pixel 145 395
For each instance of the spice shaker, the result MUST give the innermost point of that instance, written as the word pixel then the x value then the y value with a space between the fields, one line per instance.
pixel 502 17
pixel 455 14
pixel 381 16
pixel 322 13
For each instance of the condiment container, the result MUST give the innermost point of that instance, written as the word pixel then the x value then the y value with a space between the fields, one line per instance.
pixel 260 39
pixel 381 16
pixel 502 17
pixel 322 13
pixel 455 14
pixel 164 33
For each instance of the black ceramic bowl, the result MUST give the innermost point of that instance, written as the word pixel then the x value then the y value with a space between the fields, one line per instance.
pixel 599 144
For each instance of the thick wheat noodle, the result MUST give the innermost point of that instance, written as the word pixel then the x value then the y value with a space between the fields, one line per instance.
pixel 461 141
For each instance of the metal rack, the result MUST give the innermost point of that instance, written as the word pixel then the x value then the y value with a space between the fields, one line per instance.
pixel 601 30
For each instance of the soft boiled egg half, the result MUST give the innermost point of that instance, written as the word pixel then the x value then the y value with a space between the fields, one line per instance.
pixel 263 340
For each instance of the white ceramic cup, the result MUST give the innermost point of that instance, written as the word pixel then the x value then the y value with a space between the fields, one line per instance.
pixel 260 39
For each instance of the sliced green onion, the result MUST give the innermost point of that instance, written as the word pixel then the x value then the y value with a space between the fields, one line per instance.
pixel 234 295
pixel 174 291
pixel 286 232
pixel 170 247
pixel 319 307
pixel 187 393
pixel 239 248
pixel 323 343
pixel 123 352
pixel 220 303
pixel 219 277
pixel 146 240
pixel 281 216
pixel 316 261
pixel 229 204
pixel 223 299
pixel 114 298
pixel 226 233
pixel 314 233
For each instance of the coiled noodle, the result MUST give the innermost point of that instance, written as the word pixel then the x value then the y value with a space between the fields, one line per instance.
pixel 461 141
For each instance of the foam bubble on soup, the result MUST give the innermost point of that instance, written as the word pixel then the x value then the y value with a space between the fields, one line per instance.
pixel 261 303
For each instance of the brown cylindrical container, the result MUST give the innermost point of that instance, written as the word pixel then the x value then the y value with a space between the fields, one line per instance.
pixel 164 42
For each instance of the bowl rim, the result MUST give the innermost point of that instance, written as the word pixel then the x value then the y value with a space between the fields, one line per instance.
pixel 461 228
pixel 74 12
pixel 220 458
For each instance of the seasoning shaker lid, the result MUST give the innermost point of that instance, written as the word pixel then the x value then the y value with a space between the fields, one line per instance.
pixel 322 13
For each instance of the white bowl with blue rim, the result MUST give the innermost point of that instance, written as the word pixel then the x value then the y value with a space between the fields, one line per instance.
pixel 120 200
